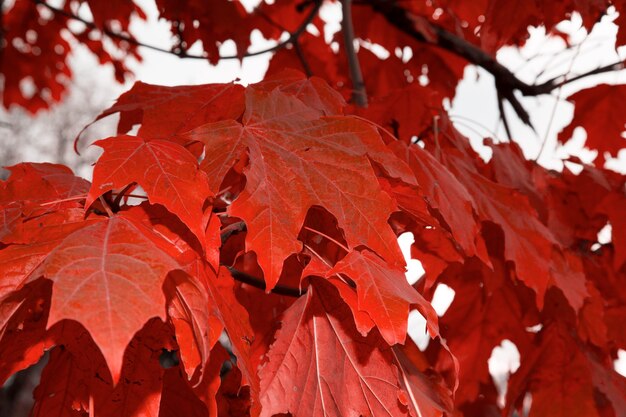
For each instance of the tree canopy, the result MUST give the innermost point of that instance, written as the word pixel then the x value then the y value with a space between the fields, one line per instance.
pixel 249 233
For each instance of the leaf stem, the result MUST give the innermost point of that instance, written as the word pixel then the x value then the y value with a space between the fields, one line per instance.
pixel 63 200
pixel 106 207
pixel 327 237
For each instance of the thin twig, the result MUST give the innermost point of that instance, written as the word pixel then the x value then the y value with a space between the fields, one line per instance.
pixel 359 95
pixel 556 103
pixel 278 289
pixel 246 278
pixel 182 54
pixel 302 58
pixel 118 199
pixel 342 277
pixel 63 200
pixel 507 128
pixel 616 66
pixel 456 117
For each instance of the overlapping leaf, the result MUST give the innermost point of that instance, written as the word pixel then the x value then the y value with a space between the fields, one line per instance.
pixel 319 359
pixel 600 111
pixel 108 277
pixel 384 294
pixel 313 198
pixel 298 160
pixel 564 379
pixel 201 309
pixel 167 172
pixel 165 111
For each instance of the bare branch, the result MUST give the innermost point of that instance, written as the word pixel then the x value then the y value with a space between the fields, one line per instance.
pixel 554 83
pixel 359 95
pixel 506 81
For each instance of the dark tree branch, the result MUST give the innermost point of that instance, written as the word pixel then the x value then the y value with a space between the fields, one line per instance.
pixel 503 116
pixel 506 81
pixel 554 83
pixel 2 40
pixel 359 95
pixel 260 284
pixel 256 282
pixel 253 281
pixel 293 37
pixel 302 58
pixel 232 229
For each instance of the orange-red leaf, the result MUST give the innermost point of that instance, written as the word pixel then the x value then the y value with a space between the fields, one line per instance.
pixel 297 160
pixel 167 172
pixel 384 293
pixel 320 365
pixel 600 110
pixel 108 277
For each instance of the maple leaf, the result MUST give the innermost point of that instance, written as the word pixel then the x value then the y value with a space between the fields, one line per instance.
pixel 211 383
pixel 24 338
pixel 384 294
pixel 165 111
pixel 479 319
pixel 446 194
pixel 178 398
pixel 61 385
pixel 527 241
pixel 108 276
pixel 8 308
pixel 314 91
pixel 140 388
pixel 614 205
pixel 561 377
pixel 199 323
pixel 20 18
pixel 319 357
pixel 166 171
pixel 600 111
pixel 429 396
pixel 322 61
pixel 526 237
pixel 43 213
pixel 396 111
pixel 42 182
pixel 221 17
pixel 190 315
pixel 275 183
pixel 298 160
pixel 67 381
